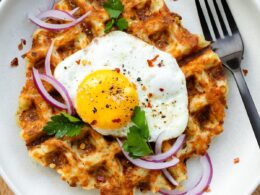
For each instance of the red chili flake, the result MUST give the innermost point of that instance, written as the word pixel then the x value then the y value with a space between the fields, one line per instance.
pixel 161 89
pixel 23 41
pixel 117 70
pixel 160 64
pixel 116 120
pixel 20 46
pixel 236 160
pixel 245 71
pixel 14 62
pixel 78 61
pixel 101 178
pixel 149 105
pixel 94 110
pixel 150 62
pixel 150 95
pixel 93 122
pixel 207 190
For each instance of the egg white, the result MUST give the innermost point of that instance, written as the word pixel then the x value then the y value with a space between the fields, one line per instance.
pixel 165 80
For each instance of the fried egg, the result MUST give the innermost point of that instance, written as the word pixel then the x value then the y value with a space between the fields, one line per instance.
pixel 118 72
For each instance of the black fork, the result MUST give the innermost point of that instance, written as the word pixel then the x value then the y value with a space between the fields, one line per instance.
pixel 230 49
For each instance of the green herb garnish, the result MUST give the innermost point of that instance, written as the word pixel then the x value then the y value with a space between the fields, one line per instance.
pixel 63 124
pixel 115 8
pixel 137 138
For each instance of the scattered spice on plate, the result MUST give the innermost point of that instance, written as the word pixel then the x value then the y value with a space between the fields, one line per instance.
pixel 23 41
pixel 245 71
pixel 14 62
pixel 236 160
pixel 21 44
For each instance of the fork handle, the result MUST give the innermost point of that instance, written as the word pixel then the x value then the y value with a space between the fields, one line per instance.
pixel 248 102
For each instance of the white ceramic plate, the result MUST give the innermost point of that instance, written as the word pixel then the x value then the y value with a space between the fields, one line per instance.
pixel 26 177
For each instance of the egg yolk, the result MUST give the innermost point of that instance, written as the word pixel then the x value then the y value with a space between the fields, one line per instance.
pixel 106 100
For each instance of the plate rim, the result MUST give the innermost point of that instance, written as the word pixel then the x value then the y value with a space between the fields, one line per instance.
pixel 14 187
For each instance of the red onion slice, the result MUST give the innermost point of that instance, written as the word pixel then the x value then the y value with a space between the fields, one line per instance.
pixel 177 146
pixel 149 165
pixel 43 92
pixel 56 14
pixel 159 157
pixel 56 27
pixel 73 11
pixel 158 143
pixel 37 77
pixel 48 60
pixel 206 177
pixel 169 177
pixel 62 90
pixel 204 182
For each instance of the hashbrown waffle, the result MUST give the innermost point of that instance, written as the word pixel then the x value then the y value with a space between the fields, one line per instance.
pixel 91 160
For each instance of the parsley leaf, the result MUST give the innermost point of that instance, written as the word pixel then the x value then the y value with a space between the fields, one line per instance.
pixel 137 138
pixel 139 120
pixel 63 124
pixel 114 8
pixel 122 24
pixel 109 26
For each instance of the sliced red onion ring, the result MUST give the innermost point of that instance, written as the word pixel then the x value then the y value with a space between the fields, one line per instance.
pixel 159 157
pixel 149 165
pixel 205 180
pixel 55 27
pixel 37 77
pixel 158 143
pixel 48 60
pixel 62 90
pixel 56 14
pixel 177 146
pixel 169 177
pixel 73 11
pixel 43 92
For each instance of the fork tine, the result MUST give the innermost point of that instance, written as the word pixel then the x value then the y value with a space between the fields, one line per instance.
pixel 212 20
pixel 203 22
pixel 221 20
pixel 230 18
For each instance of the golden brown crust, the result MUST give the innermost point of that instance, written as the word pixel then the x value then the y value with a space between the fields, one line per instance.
pixel 91 160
